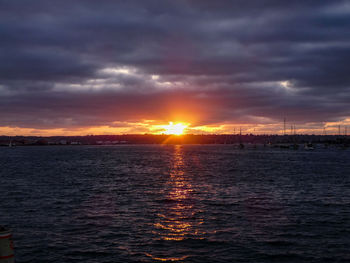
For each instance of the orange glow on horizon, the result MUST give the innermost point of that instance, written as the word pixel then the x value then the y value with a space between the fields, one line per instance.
pixel 177 127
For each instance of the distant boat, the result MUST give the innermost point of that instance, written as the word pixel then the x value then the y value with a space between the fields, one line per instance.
pixel 10 144
pixel 309 146
pixel 294 146
pixel 241 146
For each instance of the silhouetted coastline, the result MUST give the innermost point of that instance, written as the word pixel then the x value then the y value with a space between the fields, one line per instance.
pixel 172 139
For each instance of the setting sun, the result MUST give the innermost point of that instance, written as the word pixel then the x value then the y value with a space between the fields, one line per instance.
pixel 175 129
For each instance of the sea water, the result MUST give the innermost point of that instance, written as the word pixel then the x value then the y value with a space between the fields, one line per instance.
pixel 179 203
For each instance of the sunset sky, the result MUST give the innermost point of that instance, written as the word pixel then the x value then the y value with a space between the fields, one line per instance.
pixel 117 67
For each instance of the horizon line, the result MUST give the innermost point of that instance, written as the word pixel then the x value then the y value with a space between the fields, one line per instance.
pixel 188 134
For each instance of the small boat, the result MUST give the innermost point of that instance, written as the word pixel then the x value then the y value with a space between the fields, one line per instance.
pixel 309 146
pixel 294 146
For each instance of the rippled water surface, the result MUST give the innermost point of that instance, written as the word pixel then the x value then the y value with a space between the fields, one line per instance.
pixel 176 203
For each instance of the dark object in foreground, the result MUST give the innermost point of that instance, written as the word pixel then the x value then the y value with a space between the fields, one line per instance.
pixel 6 246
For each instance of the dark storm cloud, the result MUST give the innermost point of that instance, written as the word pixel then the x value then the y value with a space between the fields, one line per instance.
pixel 81 63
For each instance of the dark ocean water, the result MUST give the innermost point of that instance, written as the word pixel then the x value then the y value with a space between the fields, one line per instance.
pixel 176 203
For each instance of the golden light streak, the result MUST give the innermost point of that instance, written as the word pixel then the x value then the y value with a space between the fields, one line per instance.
pixel 166 259
pixel 175 220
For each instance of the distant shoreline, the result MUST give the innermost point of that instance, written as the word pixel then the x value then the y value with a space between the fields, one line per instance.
pixel 173 139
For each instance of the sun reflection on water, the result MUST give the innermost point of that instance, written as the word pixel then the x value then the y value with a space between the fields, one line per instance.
pixel 179 218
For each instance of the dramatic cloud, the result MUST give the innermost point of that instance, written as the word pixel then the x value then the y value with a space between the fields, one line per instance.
pixel 73 64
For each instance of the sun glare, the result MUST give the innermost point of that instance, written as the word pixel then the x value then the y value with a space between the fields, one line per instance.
pixel 175 129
